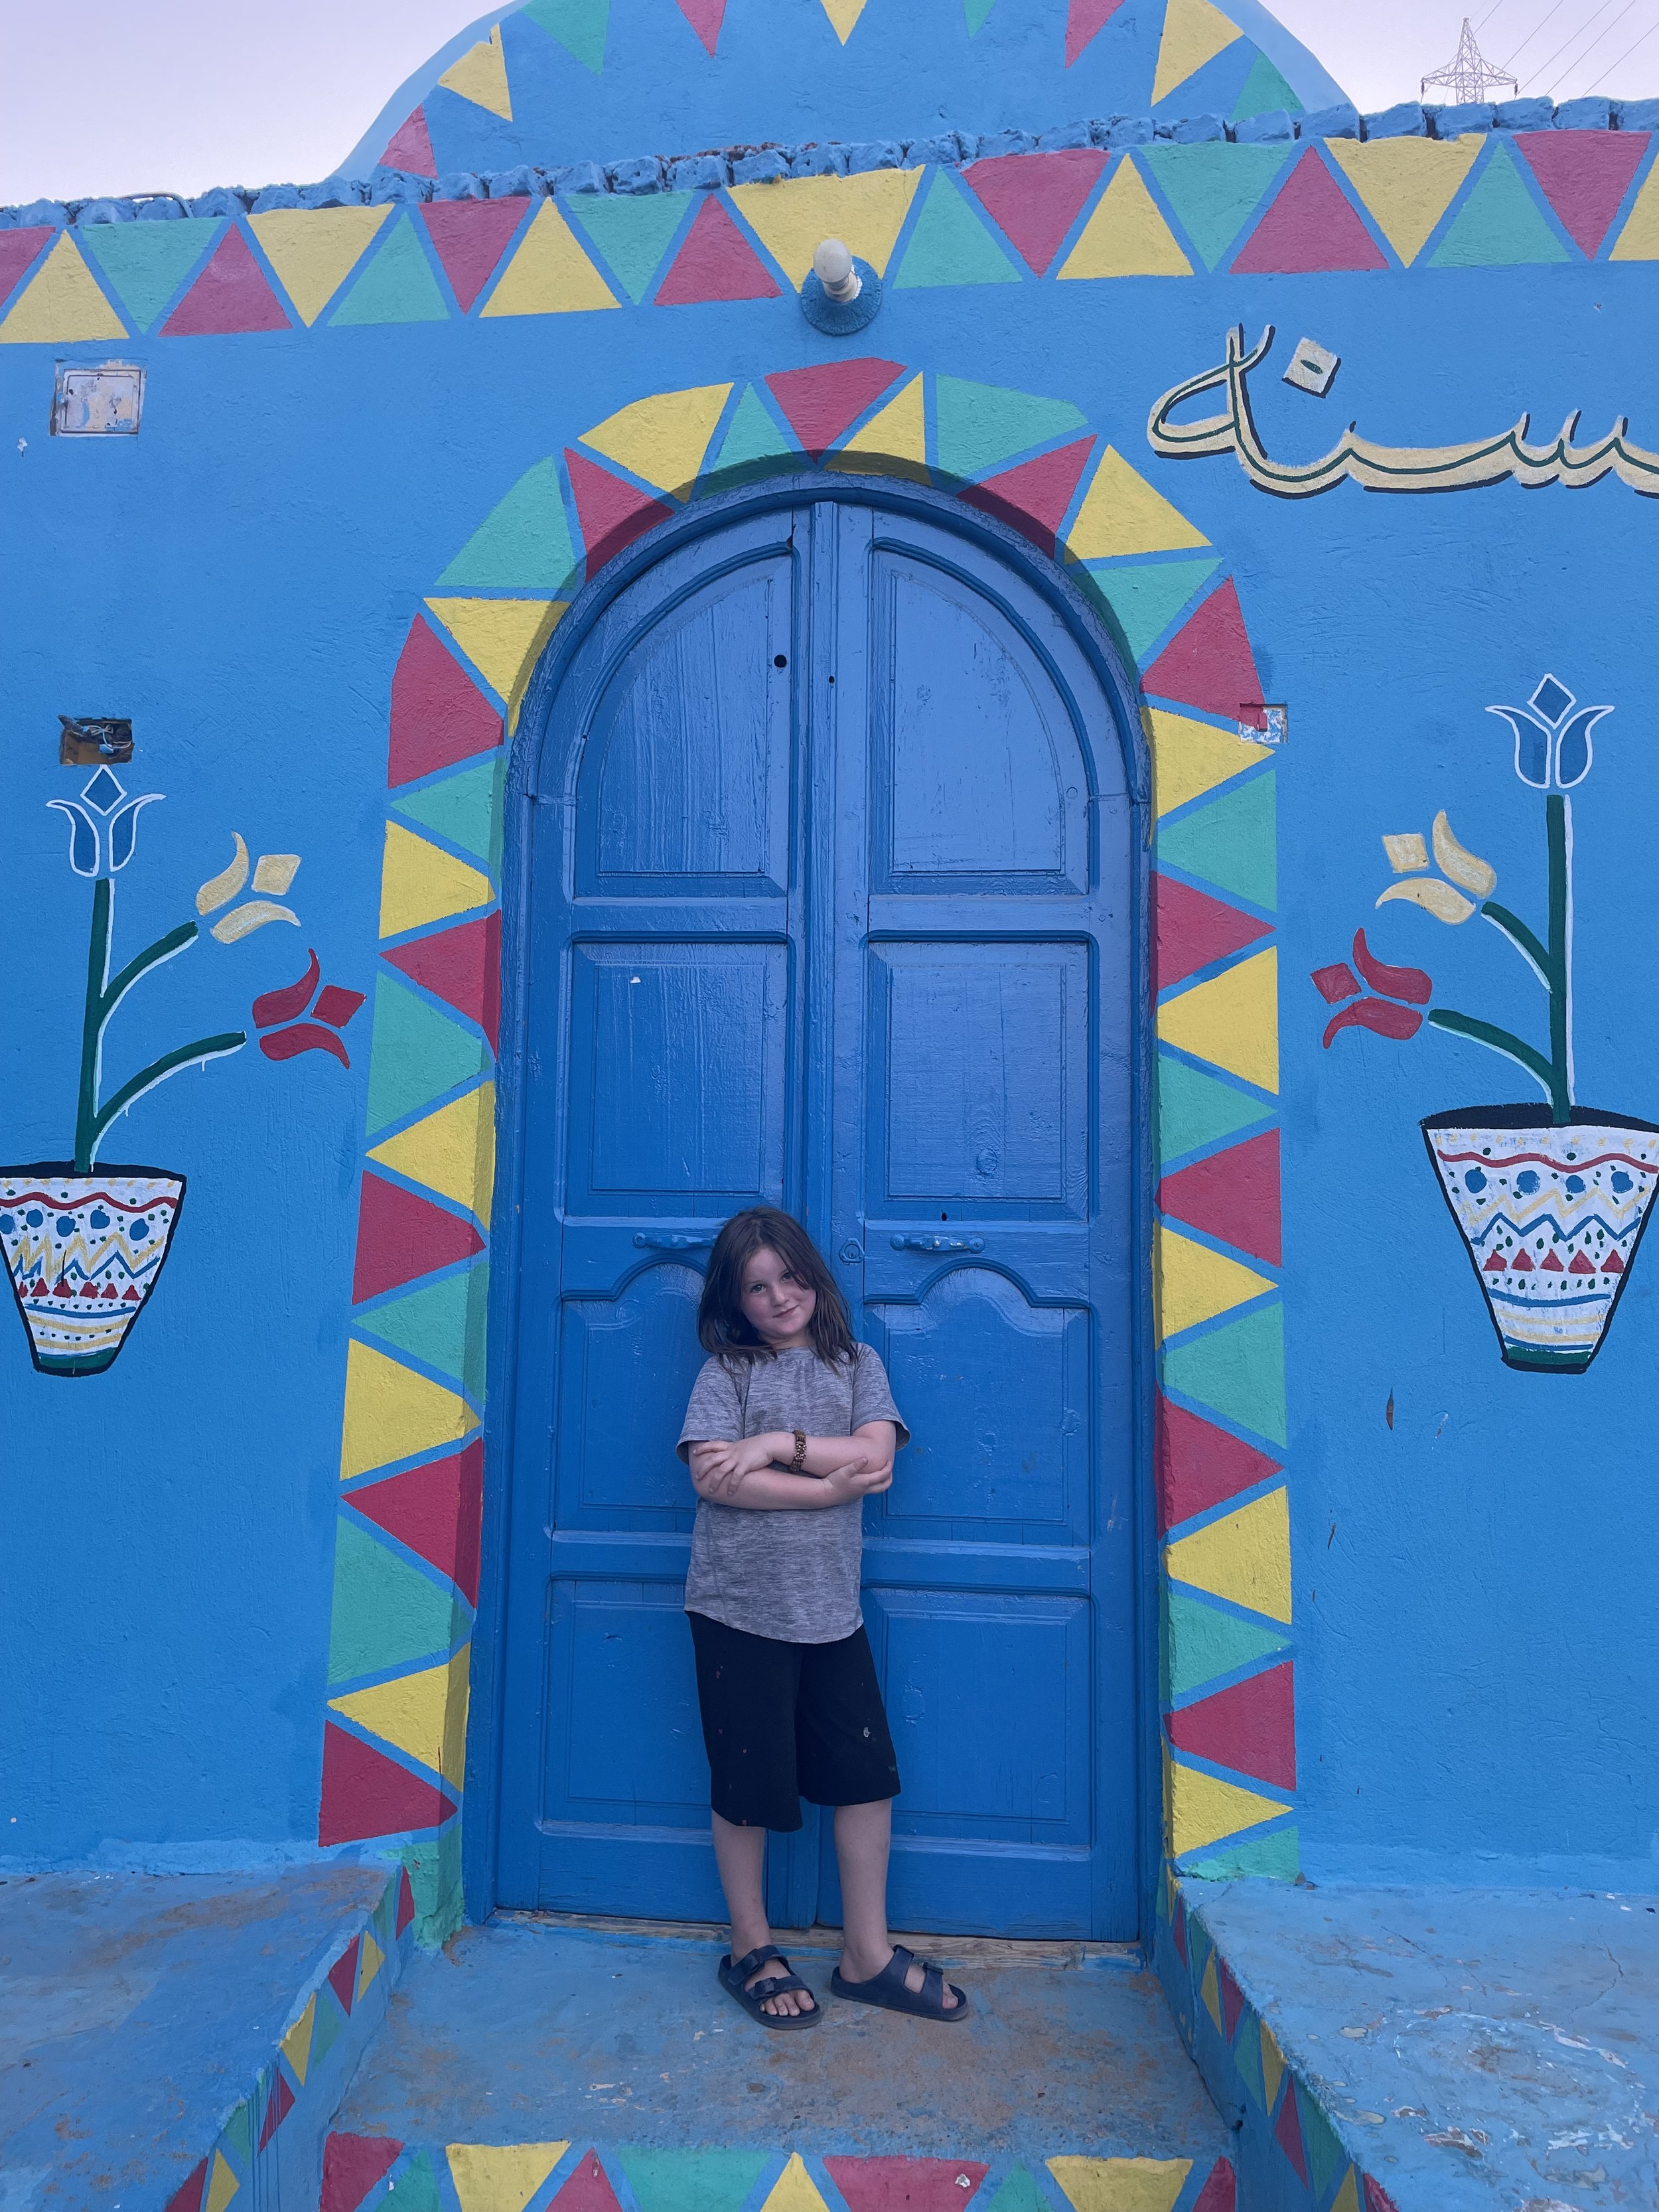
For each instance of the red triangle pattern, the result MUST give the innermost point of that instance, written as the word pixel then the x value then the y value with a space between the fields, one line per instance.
pixel 401 1235
pixel 1191 929
pixel 1178 1931
pixel 705 17
pixel 1311 225
pixel 1377 2198
pixel 343 1974
pixel 1035 198
pixel 281 2104
pixel 19 249
pixel 230 296
pixel 461 966
pixel 612 513
pixel 188 2196
pixel 716 262
pixel 821 403
pixel 1250 1727
pixel 365 1793
pixel 904 2184
pixel 1287 2132
pixel 439 715
pixel 1208 663
pixel 351 2166
pixel 1084 18
pixel 587 2190
pixel 1584 175
pixel 410 147
pixel 1200 1466
pixel 406 1902
pixel 1220 2192
pixel 437 1510
pixel 470 237
pixel 1233 1194
pixel 1034 496
pixel 1232 1999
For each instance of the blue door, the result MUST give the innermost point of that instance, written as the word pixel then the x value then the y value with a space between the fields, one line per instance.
pixel 831 885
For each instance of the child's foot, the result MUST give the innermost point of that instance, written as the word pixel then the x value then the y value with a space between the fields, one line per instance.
pixel 862 1967
pixel 787 2002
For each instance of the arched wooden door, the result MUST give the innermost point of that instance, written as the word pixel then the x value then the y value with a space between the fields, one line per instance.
pixel 831 890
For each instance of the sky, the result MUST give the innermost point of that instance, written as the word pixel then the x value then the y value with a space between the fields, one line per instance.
pixel 113 97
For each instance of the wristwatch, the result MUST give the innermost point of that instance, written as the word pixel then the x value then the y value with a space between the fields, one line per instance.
pixel 798 1463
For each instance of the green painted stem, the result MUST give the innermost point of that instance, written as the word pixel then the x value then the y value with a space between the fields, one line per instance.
pixel 1519 935
pixel 163 949
pixel 1555 816
pixel 212 1048
pixel 1503 1041
pixel 104 993
pixel 92 1028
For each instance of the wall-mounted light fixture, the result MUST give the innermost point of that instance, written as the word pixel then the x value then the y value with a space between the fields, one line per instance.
pixel 842 294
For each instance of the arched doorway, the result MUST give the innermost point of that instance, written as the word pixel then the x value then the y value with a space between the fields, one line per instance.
pixel 830 889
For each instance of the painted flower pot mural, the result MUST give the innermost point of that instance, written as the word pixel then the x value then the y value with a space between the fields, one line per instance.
pixel 84 1244
pixel 1550 1198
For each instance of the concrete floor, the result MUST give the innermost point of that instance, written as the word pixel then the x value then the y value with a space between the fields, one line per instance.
pixel 526 2031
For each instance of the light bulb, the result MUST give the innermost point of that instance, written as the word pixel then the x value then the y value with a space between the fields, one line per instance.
pixel 833 265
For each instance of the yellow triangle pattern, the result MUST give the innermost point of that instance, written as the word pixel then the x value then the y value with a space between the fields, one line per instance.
pixel 503 638
pixel 423 1714
pixel 1189 758
pixel 794 2189
pixel 1245 1557
pixel 370 1959
pixel 392 1412
pixel 1193 33
pixel 843 14
pixel 1210 1989
pixel 420 883
pixel 1195 1284
pixel 452 1151
pixel 1272 2065
pixel 1121 515
pixel 1347 2198
pixel 893 442
pixel 224 2185
pixel 1232 1020
pixel 314 250
pixel 480 76
pixel 550 274
pixel 1638 241
pixel 867 213
pixel 1122 2185
pixel 664 438
pixel 1406 184
pixel 1202 1809
pixel 1126 235
pixel 501 2176
pixel 63 302
pixel 296 2043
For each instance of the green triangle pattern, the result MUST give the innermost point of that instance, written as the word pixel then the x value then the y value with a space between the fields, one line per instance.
pixel 397 286
pixel 442 1323
pixel 1195 1109
pixel 632 230
pixel 466 808
pixel 434 1884
pixel 387 1612
pixel 1500 225
pixel 238 2134
pixel 416 2187
pixel 1276 1857
pixel 1146 600
pixel 147 262
pixel 417 1055
pixel 1019 2193
pixel 1205 1643
pixel 1264 92
pixel 1230 841
pixel 977 425
pixel 753 437
pixel 578 24
pixel 692 2180
pixel 1213 189
pixel 325 2027
pixel 1325 2154
pixel 523 544
pixel 949 245
pixel 1238 1371
pixel 977 11
pixel 1246 2054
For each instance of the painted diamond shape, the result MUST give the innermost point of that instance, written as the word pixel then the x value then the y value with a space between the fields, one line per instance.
pixel 1552 700
pixel 104 792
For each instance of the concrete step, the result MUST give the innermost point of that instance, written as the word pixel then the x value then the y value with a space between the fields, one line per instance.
pixel 180 2041
pixel 536 2064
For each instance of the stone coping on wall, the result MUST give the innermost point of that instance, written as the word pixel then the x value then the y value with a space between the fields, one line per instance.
pixel 766 164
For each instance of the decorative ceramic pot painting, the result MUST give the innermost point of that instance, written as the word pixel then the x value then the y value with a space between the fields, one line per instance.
pixel 85 1244
pixel 1551 1199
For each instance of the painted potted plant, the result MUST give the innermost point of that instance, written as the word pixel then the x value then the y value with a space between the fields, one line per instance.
pixel 1551 1199
pixel 85 1241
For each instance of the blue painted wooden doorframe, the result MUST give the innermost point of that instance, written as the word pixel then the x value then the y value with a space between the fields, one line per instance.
pixel 827 894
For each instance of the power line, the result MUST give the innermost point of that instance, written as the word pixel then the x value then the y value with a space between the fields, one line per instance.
pixel 1579 60
pixel 1509 59
pixel 1572 39
pixel 1624 56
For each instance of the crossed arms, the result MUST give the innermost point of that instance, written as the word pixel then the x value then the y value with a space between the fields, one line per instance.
pixel 754 1472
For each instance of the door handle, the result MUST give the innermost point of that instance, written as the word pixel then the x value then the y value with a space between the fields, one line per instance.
pixel 938 1243
pixel 671 1243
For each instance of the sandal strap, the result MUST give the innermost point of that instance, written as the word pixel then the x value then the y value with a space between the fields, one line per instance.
pixel 932 1991
pixel 744 1967
pixel 897 1967
pixel 775 1985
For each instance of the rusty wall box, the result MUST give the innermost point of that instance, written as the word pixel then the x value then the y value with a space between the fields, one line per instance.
pixel 102 400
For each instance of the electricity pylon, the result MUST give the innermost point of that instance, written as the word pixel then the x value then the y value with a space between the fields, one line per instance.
pixel 1468 76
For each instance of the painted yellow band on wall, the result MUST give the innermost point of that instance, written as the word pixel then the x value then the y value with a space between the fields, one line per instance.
pixel 1245 1557
pixel 867 213
pixel 501 2176
pixel 894 442
pixel 663 439
pixel 314 250
pixel 392 1412
pixel 452 1151
pixel 1126 235
pixel 794 2189
pixel 63 302
pixel 1122 2185
pixel 1407 184
pixel 420 883
pixel 1189 758
pixel 1232 1020
pixel 423 1714
pixel 1122 514
pixel 1200 1809
pixel 1195 1284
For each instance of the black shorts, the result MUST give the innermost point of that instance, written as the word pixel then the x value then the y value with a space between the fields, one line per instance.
pixel 787 1721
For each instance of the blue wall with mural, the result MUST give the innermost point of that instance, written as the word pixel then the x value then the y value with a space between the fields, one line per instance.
pixel 385 435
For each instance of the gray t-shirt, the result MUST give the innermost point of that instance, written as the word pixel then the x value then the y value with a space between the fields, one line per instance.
pixel 790 1576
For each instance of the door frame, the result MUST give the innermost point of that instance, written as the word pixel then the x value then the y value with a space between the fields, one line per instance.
pixel 532 781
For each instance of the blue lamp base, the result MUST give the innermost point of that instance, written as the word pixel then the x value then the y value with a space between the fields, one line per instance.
pixel 833 319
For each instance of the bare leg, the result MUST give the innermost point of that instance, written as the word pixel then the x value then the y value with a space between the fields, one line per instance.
pixel 863 1834
pixel 740 1855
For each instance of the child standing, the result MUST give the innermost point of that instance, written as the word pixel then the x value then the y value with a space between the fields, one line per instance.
pixel 790 1427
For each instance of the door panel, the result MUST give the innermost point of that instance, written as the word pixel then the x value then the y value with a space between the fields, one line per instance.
pixel 837 916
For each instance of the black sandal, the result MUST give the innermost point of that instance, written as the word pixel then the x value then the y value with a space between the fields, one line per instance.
pixel 753 2001
pixel 888 1989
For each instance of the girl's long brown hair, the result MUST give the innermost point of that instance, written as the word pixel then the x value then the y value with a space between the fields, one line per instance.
pixel 722 1329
